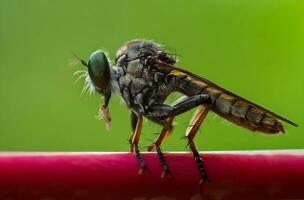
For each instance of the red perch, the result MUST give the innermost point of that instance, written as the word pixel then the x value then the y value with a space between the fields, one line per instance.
pixel 233 175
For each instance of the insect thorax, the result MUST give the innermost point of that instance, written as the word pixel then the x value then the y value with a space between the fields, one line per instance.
pixel 139 83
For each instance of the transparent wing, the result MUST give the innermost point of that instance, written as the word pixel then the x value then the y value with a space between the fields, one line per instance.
pixel 178 70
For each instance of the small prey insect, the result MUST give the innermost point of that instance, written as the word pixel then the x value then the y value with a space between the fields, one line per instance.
pixel 145 74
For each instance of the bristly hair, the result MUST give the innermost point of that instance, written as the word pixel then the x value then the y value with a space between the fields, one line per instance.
pixel 88 85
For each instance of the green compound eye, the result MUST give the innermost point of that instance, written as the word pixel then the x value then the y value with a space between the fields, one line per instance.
pixel 99 70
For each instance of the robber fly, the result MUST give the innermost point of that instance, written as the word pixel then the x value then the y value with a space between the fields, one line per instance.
pixel 145 74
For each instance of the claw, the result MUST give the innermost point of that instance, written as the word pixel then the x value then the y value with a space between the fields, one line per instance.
pixel 203 180
pixel 165 173
pixel 141 171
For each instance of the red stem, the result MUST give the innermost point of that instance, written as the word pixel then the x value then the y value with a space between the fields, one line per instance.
pixel 233 175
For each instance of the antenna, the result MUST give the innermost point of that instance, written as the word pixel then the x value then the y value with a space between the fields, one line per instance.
pixel 80 60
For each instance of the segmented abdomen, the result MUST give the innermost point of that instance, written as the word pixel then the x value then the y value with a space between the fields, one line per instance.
pixel 232 107
pixel 244 114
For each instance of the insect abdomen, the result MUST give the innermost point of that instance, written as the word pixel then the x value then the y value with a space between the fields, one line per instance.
pixel 244 114
pixel 232 107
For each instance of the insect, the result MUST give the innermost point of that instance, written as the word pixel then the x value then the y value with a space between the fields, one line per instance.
pixel 145 74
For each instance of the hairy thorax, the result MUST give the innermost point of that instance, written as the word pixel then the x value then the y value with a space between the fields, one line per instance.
pixel 140 84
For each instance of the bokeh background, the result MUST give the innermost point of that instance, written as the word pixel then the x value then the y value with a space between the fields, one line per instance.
pixel 253 48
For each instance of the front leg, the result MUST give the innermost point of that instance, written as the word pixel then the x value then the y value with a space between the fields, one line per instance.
pixel 136 123
pixel 134 120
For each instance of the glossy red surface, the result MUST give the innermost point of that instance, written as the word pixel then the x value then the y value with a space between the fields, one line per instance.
pixel 233 175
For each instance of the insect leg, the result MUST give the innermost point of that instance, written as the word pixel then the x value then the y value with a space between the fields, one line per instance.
pixel 134 120
pixel 134 143
pixel 156 145
pixel 169 112
pixel 162 111
pixel 164 133
pixel 190 134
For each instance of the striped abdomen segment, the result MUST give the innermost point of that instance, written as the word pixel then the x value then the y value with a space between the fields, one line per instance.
pixel 232 107
pixel 244 114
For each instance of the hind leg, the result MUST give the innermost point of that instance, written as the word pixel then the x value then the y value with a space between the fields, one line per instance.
pixel 195 123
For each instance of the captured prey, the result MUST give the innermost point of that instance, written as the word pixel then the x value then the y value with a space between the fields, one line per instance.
pixel 145 75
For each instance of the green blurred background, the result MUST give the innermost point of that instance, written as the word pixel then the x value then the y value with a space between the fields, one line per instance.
pixel 253 48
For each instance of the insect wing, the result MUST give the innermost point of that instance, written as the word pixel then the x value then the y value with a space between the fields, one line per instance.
pixel 179 71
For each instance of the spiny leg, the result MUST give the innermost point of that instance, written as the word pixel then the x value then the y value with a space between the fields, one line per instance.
pixel 162 161
pixel 190 134
pixel 156 145
pixel 164 111
pixel 164 133
pixel 134 140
